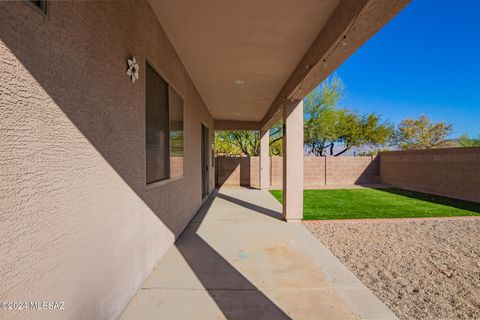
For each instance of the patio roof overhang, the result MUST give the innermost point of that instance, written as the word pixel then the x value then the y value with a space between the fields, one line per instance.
pixel 247 58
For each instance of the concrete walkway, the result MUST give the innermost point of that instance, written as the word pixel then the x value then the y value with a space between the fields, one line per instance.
pixel 238 260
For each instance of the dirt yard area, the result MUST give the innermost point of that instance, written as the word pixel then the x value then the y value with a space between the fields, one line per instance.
pixel 423 269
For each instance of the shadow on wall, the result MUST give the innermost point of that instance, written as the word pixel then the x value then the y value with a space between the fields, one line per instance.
pixel 318 171
pixel 236 297
pixel 68 102
pixel 371 174
pixel 102 103
pixel 91 107
pixel 236 171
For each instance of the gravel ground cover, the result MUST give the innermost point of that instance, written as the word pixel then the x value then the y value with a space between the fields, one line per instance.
pixel 421 269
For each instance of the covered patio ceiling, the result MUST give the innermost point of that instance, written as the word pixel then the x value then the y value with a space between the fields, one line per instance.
pixel 247 58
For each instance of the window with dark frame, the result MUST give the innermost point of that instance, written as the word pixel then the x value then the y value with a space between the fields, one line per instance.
pixel 41 4
pixel 164 129
pixel 157 127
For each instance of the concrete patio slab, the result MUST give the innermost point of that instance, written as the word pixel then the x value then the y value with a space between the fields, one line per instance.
pixel 238 259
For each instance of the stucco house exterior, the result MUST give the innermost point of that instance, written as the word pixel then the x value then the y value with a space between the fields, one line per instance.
pixel 100 174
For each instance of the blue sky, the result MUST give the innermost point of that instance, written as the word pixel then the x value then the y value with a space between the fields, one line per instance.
pixel 426 60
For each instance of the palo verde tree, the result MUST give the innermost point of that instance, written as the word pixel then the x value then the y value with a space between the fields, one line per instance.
pixel 232 143
pixel 421 133
pixel 326 125
pixel 360 130
pixel 276 139
pixel 247 143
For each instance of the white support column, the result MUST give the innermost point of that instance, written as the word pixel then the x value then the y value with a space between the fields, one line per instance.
pixel 264 159
pixel 293 161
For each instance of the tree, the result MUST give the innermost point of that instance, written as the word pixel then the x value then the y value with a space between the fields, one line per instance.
pixel 321 117
pixel 247 143
pixel 359 130
pixel 421 133
pixel 276 139
pixel 466 141
pixel 232 143
pixel 327 125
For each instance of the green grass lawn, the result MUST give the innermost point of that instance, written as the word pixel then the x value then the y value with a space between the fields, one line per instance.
pixel 379 203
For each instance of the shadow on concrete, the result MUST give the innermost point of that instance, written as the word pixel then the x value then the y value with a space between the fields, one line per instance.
pixel 236 297
pixel 109 112
pixel 455 203
pixel 271 213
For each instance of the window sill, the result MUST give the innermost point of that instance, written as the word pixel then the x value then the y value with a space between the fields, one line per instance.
pixel 162 182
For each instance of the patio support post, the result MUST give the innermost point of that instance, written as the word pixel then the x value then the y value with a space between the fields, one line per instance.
pixel 264 159
pixel 293 161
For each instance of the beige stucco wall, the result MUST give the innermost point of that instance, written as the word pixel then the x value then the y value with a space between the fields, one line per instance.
pixel 78 224
pixel 453 172
pixel 236 171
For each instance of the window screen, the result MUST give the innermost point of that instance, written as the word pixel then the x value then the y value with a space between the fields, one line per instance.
pixel 157 127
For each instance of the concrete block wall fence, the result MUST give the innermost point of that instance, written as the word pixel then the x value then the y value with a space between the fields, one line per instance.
pixel 452 172
pixel 318 171
pixel 237 171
